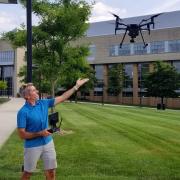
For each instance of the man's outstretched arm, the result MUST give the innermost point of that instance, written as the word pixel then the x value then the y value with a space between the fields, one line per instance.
pixel 71 91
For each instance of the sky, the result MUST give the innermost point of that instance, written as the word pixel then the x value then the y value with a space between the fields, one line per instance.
pixel 11 16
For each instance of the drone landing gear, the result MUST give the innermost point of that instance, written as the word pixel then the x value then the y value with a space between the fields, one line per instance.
pixel 145 44
pixel 120 46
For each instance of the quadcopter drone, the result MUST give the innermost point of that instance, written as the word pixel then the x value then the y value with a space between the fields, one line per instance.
pixel 134 29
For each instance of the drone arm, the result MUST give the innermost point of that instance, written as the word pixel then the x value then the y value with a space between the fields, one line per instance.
pixel 117 29
pixel 122 24
pixel 123 38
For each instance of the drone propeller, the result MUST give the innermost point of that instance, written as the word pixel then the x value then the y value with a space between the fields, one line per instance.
pixel 150 18
pixel 116 16
pixel 156 15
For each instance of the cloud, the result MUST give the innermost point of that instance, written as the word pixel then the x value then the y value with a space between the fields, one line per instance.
pixel 7 21
pixel 101 12
pixel 10 21
pixel 166 6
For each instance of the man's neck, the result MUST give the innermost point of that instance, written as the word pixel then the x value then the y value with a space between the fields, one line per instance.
pixel 32 102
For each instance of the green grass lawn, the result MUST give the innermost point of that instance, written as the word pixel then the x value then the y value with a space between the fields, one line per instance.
pixel 108 143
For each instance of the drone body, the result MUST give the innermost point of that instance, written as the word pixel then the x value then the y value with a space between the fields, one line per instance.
pixel 134 30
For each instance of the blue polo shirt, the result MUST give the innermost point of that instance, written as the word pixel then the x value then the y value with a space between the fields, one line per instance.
pixel 35 119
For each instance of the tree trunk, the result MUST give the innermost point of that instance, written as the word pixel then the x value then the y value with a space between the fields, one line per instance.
pixel 52 89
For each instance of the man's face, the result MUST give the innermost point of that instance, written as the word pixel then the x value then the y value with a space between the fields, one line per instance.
pixel 33 93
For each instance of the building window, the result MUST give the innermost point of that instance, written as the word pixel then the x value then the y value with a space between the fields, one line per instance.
pixel 124 50
pixel 176 64
pixel 143 71
pixel 6 74
pixel 113 50
pixel 99 74
pixel 92 51
pixel 174 46
pixel 6 57
pixel 157 47
pixel 98 93
pixel 128 80
pixel 127 94
pixel 139 49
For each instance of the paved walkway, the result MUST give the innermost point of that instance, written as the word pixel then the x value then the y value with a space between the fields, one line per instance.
pixel 8 113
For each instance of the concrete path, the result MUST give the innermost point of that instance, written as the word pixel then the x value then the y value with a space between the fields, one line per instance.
pixel 8 114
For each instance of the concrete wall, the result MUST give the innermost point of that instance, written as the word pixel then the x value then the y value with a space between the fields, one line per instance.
pixel 19 62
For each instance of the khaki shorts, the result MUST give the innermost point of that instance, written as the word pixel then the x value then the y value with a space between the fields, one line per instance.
pixel 46 152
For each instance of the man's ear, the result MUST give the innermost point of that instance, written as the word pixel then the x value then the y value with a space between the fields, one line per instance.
pixel 26 97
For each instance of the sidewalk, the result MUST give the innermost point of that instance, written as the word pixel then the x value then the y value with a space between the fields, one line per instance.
pixel 8 113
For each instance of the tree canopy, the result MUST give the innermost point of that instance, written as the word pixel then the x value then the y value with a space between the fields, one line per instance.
pixel 54 56
pixel 117 77
pixel 163 81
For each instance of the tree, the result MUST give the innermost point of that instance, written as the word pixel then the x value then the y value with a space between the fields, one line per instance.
pixel 76 67
pixel 116 79
pixel 61 23
pixel 163 81
pixel 3 85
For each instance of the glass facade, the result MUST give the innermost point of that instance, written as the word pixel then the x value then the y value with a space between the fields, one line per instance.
pixel 157 47
pixel 139 49
pixel 92 51
pixel 6 57
pixel 143 71
pixel 7 71
pixel 128 80
pixel 174 46
pixel 98 89
pixel 113 50
pixel 6 74
pixel 124 50
pixel 176 64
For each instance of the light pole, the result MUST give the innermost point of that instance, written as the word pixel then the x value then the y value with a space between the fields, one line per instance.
pixel 29 40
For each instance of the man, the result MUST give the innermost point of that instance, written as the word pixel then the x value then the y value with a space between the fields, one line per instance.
pixel 32 124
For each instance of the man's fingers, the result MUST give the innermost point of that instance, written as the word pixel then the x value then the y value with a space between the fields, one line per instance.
pixel 82 81
pixel 86 79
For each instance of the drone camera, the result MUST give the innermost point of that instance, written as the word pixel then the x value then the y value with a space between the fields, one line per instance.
pixel 132 41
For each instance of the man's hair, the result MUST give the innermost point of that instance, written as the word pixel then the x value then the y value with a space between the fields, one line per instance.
pixel 25 89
